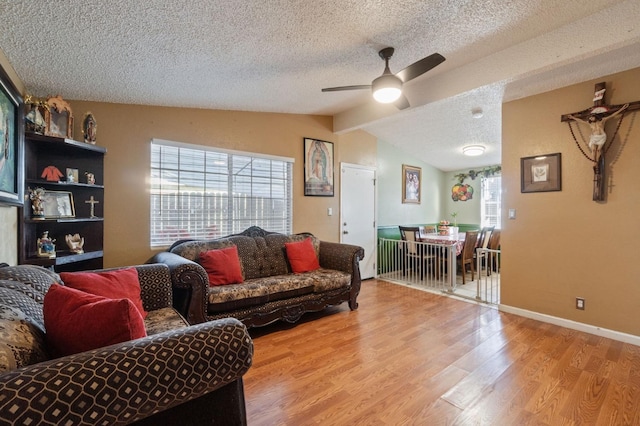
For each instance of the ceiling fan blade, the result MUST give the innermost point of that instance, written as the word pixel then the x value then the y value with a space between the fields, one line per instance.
pixel 337 89
pixel 418 68
pixel 402 102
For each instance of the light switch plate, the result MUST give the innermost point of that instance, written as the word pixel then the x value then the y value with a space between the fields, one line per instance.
pixel 512 213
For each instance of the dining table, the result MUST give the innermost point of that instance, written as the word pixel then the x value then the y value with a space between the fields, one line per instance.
pixel 445 240
pixel 452 245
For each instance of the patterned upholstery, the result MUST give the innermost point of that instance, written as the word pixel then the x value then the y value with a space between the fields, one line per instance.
pixel 259 256
pixel 119 384
pixel 268 278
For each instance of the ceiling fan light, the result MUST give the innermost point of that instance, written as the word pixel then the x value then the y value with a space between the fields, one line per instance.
pixel 387 88
pixel 473 150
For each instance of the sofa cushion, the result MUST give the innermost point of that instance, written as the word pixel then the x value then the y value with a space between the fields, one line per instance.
pixel 163 319
pixel 77 321
pixel 301 255
pixel 22 340
pixel 258 291
pixel 329 279
pixel 222 266
pixel 30 279
pixel 191 249
pixel 118 284
pixel 259 256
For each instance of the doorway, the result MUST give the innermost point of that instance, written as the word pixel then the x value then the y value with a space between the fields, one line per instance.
pixel 358 213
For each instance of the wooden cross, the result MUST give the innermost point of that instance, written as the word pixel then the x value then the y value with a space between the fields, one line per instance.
pixel 596 117
pixel 93 203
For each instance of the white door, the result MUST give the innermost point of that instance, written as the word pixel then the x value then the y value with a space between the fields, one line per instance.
pixel 358 213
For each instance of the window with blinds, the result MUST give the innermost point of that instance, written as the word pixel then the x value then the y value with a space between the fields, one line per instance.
pixel 491 201
pixel 203 193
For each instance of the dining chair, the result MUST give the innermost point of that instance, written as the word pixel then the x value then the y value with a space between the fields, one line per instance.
pixel 466 256
pixel 494 244
pixel 491 243
pixel 485 234
pixel 413 252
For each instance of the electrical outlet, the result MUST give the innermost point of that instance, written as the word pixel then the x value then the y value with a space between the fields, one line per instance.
pixel 580 303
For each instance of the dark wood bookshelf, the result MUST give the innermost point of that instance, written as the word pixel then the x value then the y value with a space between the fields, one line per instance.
pixel 40 153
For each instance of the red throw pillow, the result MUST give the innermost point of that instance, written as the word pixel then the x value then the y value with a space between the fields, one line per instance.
pixel 119 284
pixel 222 266
pixel 76 321
pixel 302 256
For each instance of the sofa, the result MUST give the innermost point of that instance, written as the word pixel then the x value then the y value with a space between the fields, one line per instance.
pixel 270 291
pixel 178 374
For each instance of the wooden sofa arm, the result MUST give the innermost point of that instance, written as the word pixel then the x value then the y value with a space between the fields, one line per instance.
pixel 190 283
pixel 124 383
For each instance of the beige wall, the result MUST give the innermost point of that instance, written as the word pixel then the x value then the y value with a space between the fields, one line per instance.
pixel 126 132
pixel 563 245
pixel 391 210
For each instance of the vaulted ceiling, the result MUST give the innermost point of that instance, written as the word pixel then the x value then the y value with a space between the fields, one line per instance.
pixel 276 56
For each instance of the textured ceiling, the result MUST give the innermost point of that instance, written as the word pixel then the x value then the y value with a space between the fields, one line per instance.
pixel 276 55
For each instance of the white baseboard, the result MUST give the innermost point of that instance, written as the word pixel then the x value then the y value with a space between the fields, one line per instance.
pixel 574 325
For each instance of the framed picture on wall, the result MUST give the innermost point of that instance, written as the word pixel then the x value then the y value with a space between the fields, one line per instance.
pixel 541 173
pixel 411 184
pixel 11 143
pixel 318 168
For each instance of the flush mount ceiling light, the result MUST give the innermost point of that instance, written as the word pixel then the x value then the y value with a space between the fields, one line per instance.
pixel 473 150
pixel 477 113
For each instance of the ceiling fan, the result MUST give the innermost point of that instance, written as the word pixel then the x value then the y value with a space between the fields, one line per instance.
pixel 388 87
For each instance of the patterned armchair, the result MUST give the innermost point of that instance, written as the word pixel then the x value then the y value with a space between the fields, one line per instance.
pixel 177 374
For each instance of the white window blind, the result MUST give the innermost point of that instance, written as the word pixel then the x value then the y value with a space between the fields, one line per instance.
pixel 491 201
pixel 204 193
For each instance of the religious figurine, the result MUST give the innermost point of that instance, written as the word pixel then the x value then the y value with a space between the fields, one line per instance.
pixel 37 202
pixel 34 121
pixel 91 178
pixel 89 128
pixel 46 248
pixel 93 203
pixel 597 121
pixel 599 143
pixel 75 243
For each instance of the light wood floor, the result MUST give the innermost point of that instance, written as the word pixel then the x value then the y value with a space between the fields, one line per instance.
pixel 408 357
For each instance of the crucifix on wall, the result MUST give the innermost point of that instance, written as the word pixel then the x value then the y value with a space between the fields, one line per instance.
pixel 596 118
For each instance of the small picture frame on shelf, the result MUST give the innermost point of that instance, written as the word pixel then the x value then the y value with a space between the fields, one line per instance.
pixel 58 204
pixel 72 175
